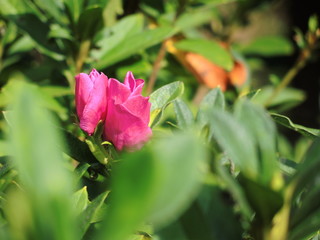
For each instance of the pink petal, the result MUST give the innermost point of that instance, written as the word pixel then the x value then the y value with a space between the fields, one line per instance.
pixel 84 86
pixel 94 74
pixel 125 130
pixel 117 91
pixel 129 81
pixel 135 85
pixel 139 106
pixel 96 107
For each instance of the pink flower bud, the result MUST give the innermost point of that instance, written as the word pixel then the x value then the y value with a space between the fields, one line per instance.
pixel 91 99
pixel 128 114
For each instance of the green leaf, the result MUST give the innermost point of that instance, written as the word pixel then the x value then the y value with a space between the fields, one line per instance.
pixel 307 209
pixel 90 22
pixel 5 167
pixel 307 228
pixel 288 98
pixel 75 8
pixel 57 31
pixel 285 121
pixel 39 34
pixel 307 171
pixel 268 46
pixel 183 113
pixel 80 200
pixel 209 49
pixel 23 44
pixel 145 193
pixel 133 45
pixel 4 148
pixel 214 99
pixel 230 134
pixel 263 200
pixel 235 189
pixel 7 96
pixel 41 166
pixel 263 132
pixel 123 29
pixel 80 170
pixel 160 99
pixel 90 212
pixel 111 10
pixel 77 149
pixel 313 23
pixel 51 7
pixel 56 91
pixel 193 19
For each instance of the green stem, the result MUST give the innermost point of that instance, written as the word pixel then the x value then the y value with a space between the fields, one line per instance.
pixel 302 60
pixel 156 67
pixel 83 54
pixel 98 150
pixel 300 63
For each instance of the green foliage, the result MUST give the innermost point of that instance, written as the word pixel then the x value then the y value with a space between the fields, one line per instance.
pixel 217 165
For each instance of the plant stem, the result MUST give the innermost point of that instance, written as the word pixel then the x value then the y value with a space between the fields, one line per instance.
pixel 82 55
pixel 302 60
pixel 156 67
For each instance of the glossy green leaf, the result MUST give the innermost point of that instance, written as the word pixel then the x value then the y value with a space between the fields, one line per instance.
pixel 145 193
pixel 160 99
pixel 211 50
pixel 269 46
pixel 133 45
pixel 285 121
pixel 47 183
pixel 230 134
pixel 183 113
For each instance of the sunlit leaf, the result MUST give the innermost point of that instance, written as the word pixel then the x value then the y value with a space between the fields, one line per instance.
pixel 161 98
pixel 41 166
pixel 211 50
pixel 133 45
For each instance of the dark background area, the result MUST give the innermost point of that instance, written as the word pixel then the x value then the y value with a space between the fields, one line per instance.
pixel 308 79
